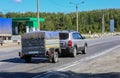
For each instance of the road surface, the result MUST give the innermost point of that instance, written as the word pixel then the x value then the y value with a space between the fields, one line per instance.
pixel 11 66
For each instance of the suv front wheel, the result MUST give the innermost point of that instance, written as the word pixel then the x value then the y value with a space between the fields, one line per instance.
pixel 84 50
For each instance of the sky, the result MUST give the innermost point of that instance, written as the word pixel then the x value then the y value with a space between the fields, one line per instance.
pixel 56 6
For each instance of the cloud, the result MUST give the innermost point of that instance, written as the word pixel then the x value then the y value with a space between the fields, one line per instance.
pixel 18 1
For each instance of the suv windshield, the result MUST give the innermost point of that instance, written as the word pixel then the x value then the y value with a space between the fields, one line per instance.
pixel 63 36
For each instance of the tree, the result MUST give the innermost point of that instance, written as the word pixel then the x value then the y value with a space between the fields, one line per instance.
pixel 88 20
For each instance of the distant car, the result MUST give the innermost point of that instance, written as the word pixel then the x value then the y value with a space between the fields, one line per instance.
pixel 72 42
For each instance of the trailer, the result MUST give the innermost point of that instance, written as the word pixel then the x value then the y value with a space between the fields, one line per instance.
pixel 41 44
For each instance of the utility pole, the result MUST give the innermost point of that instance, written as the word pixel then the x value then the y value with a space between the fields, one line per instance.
pixel 38 16
pixel 103 26
pixel 77 16
pixel 76 13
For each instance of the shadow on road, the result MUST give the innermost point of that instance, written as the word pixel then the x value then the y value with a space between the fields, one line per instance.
pixel 56 74
pixel 67 55
pixel 18 60
pixel 17 75
pixel 13 60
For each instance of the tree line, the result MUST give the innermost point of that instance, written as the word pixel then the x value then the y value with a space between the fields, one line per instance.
pixel 88 20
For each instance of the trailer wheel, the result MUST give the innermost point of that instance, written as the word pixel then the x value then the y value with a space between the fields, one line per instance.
pixel 55 57
pixel 27 59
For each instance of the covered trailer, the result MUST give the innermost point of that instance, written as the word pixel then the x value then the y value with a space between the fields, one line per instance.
pixel 42 44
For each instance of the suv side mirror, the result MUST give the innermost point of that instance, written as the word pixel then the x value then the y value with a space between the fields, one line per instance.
pixel 83 37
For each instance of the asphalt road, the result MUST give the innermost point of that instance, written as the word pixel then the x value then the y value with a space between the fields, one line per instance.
pixel 11 66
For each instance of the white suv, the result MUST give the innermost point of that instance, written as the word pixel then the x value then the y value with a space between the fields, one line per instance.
pixel 72 42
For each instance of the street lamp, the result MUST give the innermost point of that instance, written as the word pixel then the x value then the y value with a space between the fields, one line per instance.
pixel 76 12
pixel 38 14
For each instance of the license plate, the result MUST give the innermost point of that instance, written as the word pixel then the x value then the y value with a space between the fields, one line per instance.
pixel 33 52
pixel 61 44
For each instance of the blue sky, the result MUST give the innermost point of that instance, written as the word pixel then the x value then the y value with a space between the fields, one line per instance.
pixel 56 5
